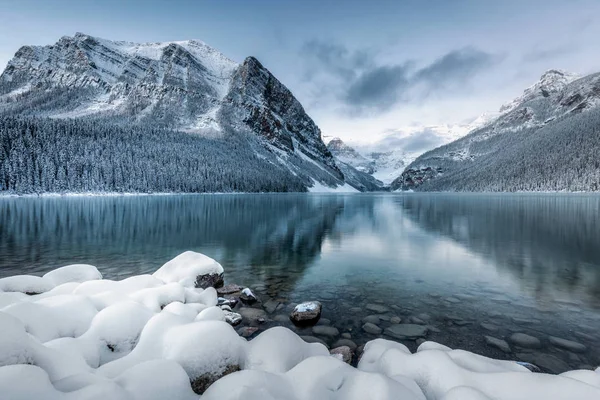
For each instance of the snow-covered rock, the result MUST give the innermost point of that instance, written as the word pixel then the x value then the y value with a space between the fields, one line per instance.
pixel 104 339
pixel 73 273
pixel 306 313
pixel 202 270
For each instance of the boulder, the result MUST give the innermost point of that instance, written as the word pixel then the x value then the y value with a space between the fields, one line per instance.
pixel 371 328
pixel 191 266
pixel 497 343
pixel 524 340
pixel 307 313
pixel 345 342
pixel 271 306
pixel 567 344
pixel 373 319
pixel 406 331
pixel 247 331
pixel 232 318
pixel 324 330
pixel 248 297
pixel 253 316
pixel 343 353
pixel 229 289
pixel 377 308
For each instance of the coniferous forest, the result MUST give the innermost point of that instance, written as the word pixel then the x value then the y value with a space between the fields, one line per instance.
pixel 86 155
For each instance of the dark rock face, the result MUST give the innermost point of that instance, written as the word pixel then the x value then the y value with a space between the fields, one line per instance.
pixel 413 178
pixel 200 384
pixel 209 280
pixel 269 109
pixel 307 313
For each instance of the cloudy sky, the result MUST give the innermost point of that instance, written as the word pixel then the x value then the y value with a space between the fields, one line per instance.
pixel 366 71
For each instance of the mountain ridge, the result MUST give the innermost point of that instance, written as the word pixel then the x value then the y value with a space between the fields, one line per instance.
pixel 559 114
pixel 184 85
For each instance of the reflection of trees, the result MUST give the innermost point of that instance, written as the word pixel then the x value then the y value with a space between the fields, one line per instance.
pixel 131 235
pixel 547 241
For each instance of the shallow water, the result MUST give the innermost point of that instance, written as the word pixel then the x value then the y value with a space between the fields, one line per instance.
pixel 516 263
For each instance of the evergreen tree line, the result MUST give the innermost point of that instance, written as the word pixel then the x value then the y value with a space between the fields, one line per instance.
pixel 563 155
pixel 85 155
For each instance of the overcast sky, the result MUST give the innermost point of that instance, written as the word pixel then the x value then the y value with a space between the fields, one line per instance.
pixel 364 70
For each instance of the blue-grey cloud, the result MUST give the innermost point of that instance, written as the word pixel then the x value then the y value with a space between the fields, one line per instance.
pixel 363 86
pixel 455 67
pixel 377 88
pixel 337 59
pixel 417 142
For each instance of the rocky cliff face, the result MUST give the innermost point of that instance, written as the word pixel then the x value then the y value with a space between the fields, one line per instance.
pixel 260 101
pixel 187 86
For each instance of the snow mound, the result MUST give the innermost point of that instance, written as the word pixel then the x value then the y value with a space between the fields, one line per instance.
pixel 156 337
pixel 186 266
pixel 73 273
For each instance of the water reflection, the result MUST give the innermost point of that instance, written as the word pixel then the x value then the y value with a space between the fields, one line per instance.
pixel 549 243
pixel 519 263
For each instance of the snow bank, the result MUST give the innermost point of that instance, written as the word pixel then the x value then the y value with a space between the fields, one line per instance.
pixel 187 267
pixel 158 336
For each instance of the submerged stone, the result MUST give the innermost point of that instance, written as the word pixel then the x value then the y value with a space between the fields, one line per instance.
pixel 524 340
pixel 497 343
pixel 406 331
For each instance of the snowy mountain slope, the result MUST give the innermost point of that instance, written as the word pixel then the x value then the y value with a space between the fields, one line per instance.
pixel 374 169
pixel 546 139
pixel 185 86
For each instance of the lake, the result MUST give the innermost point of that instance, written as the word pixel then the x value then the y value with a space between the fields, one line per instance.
pixel 466 266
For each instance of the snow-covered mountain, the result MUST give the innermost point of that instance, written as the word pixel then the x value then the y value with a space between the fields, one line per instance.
pixel 382 166
pixel 546 139
pixel 185 86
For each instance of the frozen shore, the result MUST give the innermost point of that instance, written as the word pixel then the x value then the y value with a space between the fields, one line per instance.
pixel 72 335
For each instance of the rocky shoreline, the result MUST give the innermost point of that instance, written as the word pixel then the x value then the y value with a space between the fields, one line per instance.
pixel 250 315
pixel 182 332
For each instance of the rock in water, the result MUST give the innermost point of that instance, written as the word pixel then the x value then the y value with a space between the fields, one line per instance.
pixel 343 353
pixel 327 331
pixel 524 340
pixel 232 318
pixel 497 343
pixel 248 297
pixel 406 331
pixel 378 308
pixel 191 266
pixel 247 331
pixel 307 313
pixel 371 328
pixel 567 344
pixel 229 289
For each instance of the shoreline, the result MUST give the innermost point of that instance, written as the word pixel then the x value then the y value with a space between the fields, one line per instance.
pixel 166 194
pixel 70 331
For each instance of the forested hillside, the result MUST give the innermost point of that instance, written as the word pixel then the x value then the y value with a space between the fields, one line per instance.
pixel 546 140
pixel 45 155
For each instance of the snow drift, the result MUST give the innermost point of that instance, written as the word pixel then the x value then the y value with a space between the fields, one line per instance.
pixel 72 335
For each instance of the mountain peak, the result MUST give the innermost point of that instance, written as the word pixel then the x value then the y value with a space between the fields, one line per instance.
pixel 552 81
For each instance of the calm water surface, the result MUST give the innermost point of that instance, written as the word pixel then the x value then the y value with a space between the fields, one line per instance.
pixel 465 265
